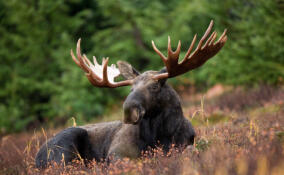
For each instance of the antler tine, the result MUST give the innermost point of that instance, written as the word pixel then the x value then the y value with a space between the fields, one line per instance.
pixel 86 60
pixel 79 61
pixel 213 39
pixel 223 36
pixel 74 58
pixel 178 48
pixel 205 35
pixel 159 52
pixel 95 60
pixel 190 47
pixel 105 77
pixel 170 51
pixel 209 39
pixel 78 51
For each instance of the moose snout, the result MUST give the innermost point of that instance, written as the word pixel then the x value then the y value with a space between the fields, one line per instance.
pixel 133 114
pixel 133 110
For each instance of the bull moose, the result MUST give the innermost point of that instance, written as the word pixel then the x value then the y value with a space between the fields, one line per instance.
pixel 152 110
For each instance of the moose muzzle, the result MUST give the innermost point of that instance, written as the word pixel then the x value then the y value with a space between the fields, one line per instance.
pixel 133 108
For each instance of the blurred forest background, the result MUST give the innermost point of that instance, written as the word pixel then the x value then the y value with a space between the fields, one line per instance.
pixel 40 84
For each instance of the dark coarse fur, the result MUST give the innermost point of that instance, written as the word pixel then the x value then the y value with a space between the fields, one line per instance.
pixel 165 122
pixel 152 116
pixel 69 142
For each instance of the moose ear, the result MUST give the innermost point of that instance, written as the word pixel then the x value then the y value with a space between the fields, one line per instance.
pixel 126 70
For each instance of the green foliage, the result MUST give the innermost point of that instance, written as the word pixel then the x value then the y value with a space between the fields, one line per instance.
pixel 34 35
pixel 254 53
pixel 40 83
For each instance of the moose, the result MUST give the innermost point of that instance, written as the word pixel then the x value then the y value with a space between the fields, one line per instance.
pixel 152 111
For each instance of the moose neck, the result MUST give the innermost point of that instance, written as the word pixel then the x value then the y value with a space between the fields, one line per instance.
pixel 162 121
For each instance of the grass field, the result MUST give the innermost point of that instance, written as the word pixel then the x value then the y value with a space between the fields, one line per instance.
pixel 239 131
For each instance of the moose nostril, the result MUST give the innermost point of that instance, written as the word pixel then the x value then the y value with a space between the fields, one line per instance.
pixel 133 115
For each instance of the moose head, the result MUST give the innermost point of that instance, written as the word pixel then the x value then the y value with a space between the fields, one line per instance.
pixel 149 93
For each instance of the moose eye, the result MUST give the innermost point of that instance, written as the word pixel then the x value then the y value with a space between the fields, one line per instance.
pixel 155 87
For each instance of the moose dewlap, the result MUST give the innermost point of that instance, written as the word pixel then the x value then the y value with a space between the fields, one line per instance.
pixel 152 110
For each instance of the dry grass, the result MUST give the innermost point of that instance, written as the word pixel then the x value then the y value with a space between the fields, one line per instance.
pixel 241 132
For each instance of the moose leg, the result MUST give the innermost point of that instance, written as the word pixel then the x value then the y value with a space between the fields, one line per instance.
pixel 122 150
pixel 67 145
pixel 125 143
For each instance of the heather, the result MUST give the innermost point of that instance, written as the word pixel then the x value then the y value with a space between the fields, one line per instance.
pixel 231 139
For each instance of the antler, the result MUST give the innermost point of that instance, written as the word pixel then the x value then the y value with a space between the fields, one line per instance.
pixel 191 61
pixel 98 75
